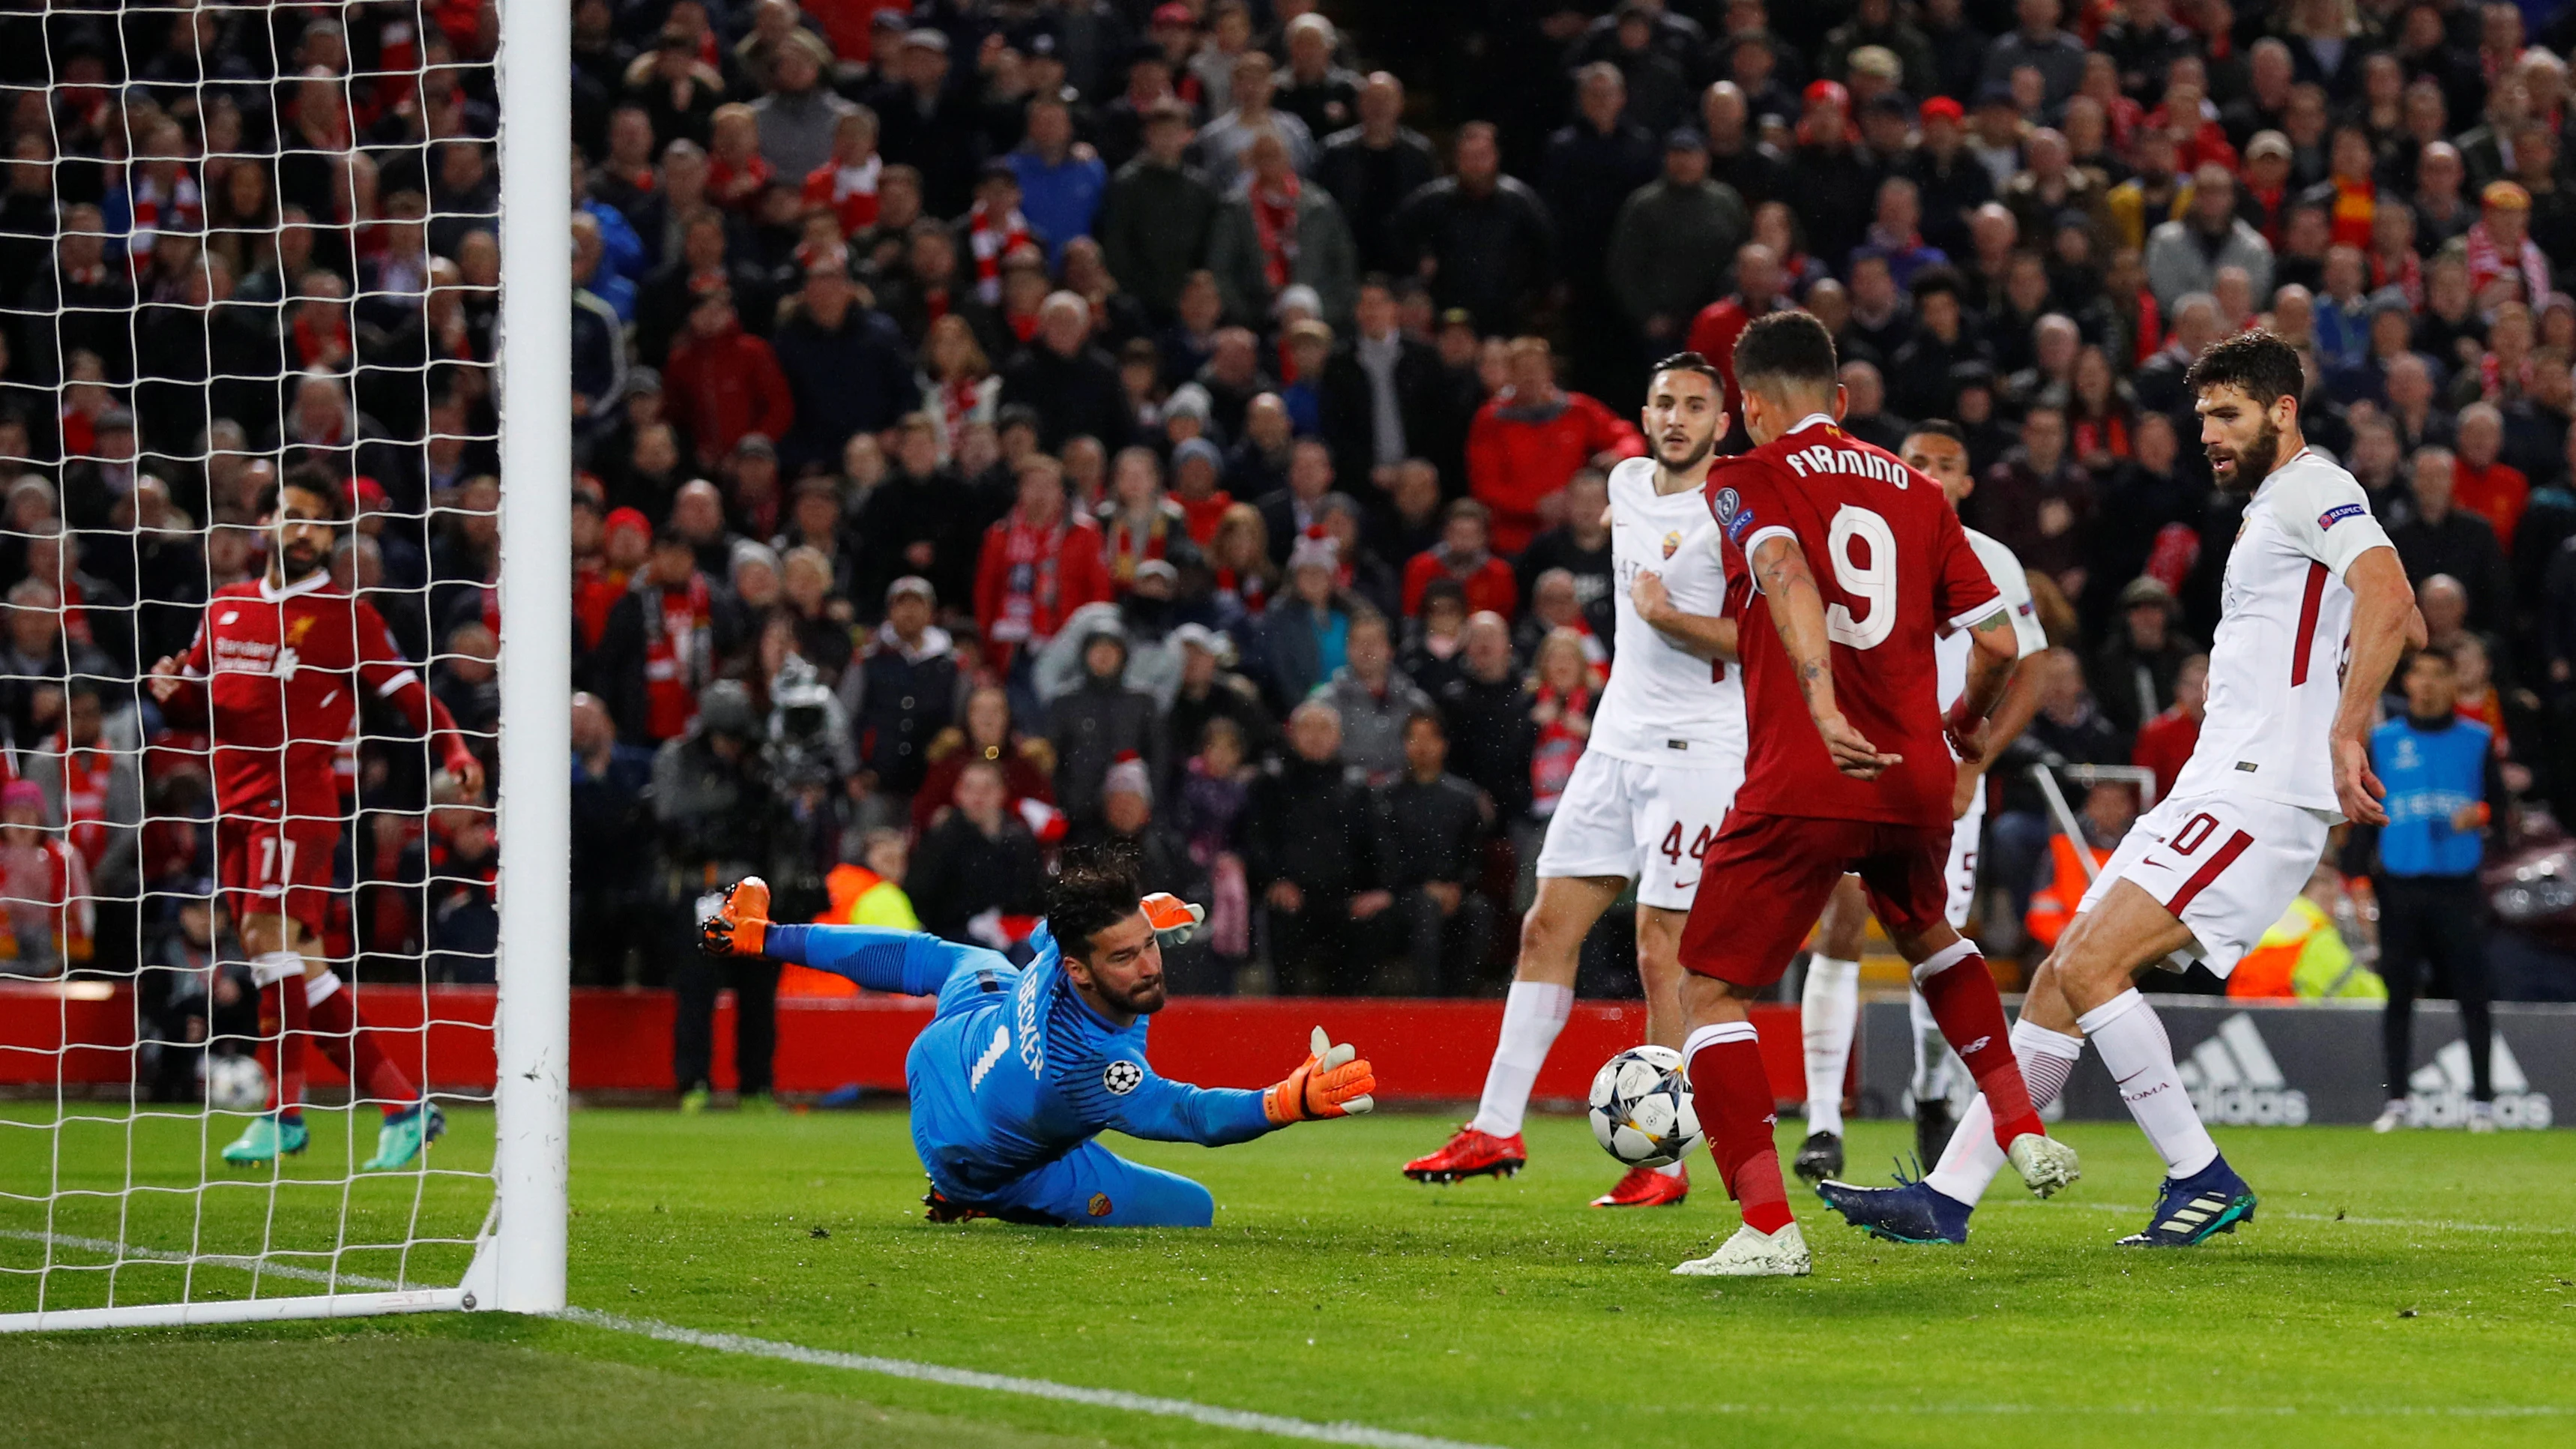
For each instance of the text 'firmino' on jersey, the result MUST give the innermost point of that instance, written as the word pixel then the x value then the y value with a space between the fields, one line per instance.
pixel 1821 459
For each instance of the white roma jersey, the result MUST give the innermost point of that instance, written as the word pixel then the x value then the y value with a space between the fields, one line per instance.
pixel 1950 651
pixel 1664 707
pixel 2284 634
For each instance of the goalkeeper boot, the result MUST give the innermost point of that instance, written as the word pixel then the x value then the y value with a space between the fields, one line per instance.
pixel 1647 1187
pixel 1752 1253
pixel 1470 1154
pixel 942 1210
pixel 1819 1157
pixel 403 1135
pixel 739 924
pixel 1910 1212
pixel 2192 1209
pixel 266 1139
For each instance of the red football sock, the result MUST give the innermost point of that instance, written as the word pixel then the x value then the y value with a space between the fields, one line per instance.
pixel 1961 993
pixel 294 1025
pixel 352 1047
pixel 1735 1109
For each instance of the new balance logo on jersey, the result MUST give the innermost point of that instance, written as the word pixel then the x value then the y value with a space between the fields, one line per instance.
pixel 2234 1081
pixel 2438 1094
pixel 1821 459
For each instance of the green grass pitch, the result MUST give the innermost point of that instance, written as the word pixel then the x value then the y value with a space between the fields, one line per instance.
pixel 2392 1290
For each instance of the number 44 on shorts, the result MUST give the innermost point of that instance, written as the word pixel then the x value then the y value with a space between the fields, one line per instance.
pixel 1672 846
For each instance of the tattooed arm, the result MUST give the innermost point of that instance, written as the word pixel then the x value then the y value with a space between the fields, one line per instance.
pixel 1798 612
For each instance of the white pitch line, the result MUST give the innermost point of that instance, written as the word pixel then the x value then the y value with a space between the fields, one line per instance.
pixel 1282 1426
pixel 127 1252
pixel 1209 1414
pixel 2430 1225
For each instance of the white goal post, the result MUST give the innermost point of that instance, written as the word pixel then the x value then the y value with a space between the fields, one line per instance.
pixel 518 1255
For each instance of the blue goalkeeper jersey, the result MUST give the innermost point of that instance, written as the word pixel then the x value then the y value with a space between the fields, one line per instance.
pixel 1016 1070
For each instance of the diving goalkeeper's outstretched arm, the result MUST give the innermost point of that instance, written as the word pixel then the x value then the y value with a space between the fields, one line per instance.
pixel 1084 1015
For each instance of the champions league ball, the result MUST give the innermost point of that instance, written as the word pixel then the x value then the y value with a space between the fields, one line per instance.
pixel 1641 1107
pixel 236 1084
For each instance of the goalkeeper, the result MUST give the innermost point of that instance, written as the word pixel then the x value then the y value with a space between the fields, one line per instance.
pixel 1021 1068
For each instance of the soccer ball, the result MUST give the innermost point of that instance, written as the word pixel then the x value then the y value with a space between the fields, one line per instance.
pixel 236 1084
pixel 1641 1107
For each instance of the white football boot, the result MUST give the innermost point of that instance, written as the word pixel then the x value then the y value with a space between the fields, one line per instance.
pixel 2391 1117
pixel 1754 1254
pixel 2045 1164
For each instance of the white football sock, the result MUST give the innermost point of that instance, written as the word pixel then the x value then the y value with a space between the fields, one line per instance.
pixel 1827 1013
pixel 1533 1014
pixel 1972 1159
pixel 318 989
pixel 1672 1169
pixel 2134 1046
pixel 1936 1067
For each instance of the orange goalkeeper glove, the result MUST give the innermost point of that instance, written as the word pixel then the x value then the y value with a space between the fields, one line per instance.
pixel 1335 1081
pixel 1174 920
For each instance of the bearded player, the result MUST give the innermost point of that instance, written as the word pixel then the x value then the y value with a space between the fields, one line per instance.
pixel 2316 611
pixel 1022 1068
pixel 1846 770
pixel 1665 755
pixel 1830 1005
pixel 275 674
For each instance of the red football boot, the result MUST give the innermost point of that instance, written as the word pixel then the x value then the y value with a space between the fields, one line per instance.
pixel 1470 1154
pixel 1646 1187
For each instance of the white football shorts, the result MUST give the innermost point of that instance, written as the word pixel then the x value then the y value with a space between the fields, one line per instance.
pixel 1647 823
pixel 2226 866
pixel 1962 873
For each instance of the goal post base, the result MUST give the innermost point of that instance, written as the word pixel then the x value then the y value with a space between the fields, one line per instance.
pixel 247 1310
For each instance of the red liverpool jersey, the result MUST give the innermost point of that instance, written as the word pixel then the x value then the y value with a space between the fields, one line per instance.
pixel 1894 568
pixel 282 668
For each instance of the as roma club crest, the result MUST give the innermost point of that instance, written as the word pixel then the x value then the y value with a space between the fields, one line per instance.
pixel 1099 1207
pixel 1672 543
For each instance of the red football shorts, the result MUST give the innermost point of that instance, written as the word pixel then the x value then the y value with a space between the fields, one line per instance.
pixel 276 867
pixel 1766 879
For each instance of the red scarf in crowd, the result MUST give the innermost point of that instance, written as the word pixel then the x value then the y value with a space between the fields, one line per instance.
pixel 1029 591
pixel 991 238
pixel 1274 225
pixel 678 627
pixel 850 191
pixel 1552 762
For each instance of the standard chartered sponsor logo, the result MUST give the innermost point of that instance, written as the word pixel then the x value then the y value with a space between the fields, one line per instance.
pixel 2234 1081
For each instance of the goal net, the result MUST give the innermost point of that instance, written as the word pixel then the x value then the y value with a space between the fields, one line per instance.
pixel 283 463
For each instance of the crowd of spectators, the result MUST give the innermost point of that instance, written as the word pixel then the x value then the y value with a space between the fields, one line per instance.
pixel 1005 422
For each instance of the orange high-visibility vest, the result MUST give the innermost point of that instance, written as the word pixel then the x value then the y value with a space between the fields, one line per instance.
pixel 2053 905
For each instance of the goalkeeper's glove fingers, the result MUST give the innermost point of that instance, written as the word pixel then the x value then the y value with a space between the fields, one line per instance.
pixel 1333 1081
pixel 1174 920
pixel 732 924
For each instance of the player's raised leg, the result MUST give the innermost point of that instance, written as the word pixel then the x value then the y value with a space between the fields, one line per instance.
pixel 1828 1012
pixel 1534 1011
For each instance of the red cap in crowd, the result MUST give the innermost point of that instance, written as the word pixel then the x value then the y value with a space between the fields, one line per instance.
pixel 1830 92
pixel 627 518
pixel 1942 108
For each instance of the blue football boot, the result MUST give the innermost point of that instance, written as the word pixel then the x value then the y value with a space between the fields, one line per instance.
pixel 2212 1200
pixel 1910 1212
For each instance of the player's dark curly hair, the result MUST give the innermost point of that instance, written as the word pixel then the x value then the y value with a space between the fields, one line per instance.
pixel 2258 364
pixel 1690 362
pixel 1094 888
pixel 1790 349
pixel 304 478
